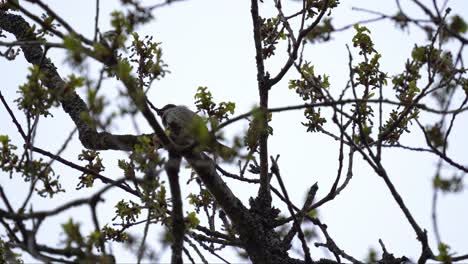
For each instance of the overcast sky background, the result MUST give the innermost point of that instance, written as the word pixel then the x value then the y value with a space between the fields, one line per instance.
pixel 210 43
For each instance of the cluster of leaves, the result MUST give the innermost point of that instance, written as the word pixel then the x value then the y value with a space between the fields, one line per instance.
pixel 201 200
pixel 205 104
pixel 7 255
pixel 457 25
pixel 452 185
pixel 144 158
pixel 31 170
pixel 366 74
pixel 320 4
pixel 113 40
pixel 405 85
pixel 42 171
pixel 401 20
pixel 271 33
pixel 8 159
pixel 76 52
pixel 257 128
pixel 94 164
pixel 464 85
pixel 72 234
pixel 441 64
pixel 311 89
pixel 321 32
pixel 445 256
pixel 364 114
pixel 139 14
pixel 148 55
pixel 363 40
pixel 436 136
pixel 158 204
pixel 112 234
pixel 315 6
pixel 310 86
pixel 155 201
pixel 216 113
pixel 106 49
pixel 397 126
pixel 76 240
pixel 406 92
pixel 135 94
pixel 437 60
pixel 46 25
pixel 35 99
pixel 315 121
pixel 369 74
pixel 128 212
pixel 96 104
pixel 191 220
pixel 121 24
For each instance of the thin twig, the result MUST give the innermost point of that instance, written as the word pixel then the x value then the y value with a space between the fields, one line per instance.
pixel 297 225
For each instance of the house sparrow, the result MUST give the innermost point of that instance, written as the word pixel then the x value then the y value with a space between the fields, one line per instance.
pixel 186 128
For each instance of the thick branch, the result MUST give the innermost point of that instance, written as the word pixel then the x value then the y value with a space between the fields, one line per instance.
pixel 264 194
pixel 71 102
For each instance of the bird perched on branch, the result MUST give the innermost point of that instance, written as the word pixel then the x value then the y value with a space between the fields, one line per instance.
pixel 186 128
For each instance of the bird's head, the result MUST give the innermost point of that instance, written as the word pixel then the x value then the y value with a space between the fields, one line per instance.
pixel 160 111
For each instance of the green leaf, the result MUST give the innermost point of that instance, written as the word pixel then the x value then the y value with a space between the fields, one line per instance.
pixel 444 253
pixel 4 139
pixel 312 213
pixel 413 88
pixel 192 220
pixel 458 24
pixel 123 70
pixel 72 233
pixel 419 54
pixel 72 43
pixel 363 40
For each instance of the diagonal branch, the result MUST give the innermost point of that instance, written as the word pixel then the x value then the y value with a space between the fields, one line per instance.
pixel 72 103
pixel 293 55
pixel 296 223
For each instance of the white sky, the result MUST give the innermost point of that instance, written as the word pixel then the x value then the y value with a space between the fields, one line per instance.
pixel 210 43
